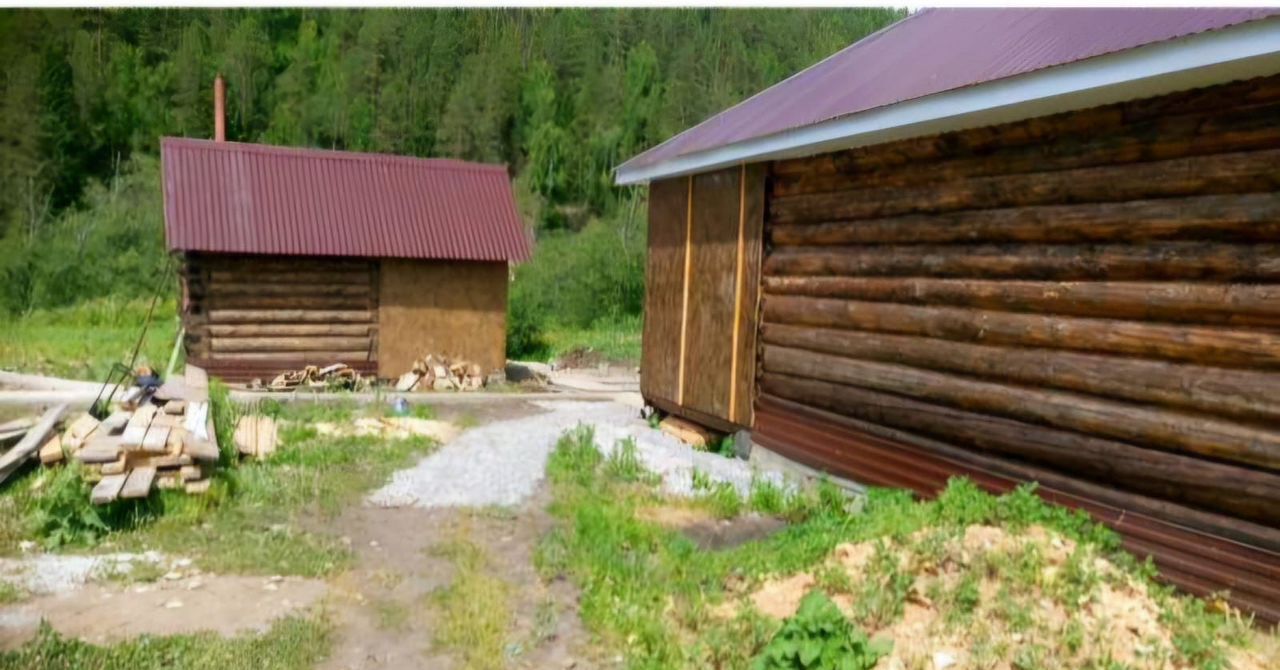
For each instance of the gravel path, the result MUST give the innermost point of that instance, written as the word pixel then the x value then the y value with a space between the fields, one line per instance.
pixel 502 463
pixel 41 574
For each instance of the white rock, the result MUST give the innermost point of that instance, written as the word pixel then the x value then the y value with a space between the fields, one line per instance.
pixel 172 604
pixel 943 660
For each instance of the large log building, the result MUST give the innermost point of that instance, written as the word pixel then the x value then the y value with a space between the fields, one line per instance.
pixel 293 257
pixel 1016 245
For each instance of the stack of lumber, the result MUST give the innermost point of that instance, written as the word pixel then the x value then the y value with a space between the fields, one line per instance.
pixel 162 440
pixel 339 376
pixel 438 373
pixel 256 436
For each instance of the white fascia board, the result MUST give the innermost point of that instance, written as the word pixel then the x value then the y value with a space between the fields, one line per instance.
pixel 1238 52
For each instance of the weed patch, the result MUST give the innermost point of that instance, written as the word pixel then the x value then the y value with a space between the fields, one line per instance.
pixel 475 609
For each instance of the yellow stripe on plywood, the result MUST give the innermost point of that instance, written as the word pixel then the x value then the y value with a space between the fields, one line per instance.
pixel 684 308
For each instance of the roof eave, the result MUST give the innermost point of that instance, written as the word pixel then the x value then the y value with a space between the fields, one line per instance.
pixel 1237 52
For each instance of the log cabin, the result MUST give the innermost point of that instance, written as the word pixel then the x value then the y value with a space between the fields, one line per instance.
pixel 292 257
pixel 1016 245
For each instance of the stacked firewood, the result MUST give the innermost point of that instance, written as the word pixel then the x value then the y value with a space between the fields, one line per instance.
pixel 158 440
pixel 339 376
pixel 438 373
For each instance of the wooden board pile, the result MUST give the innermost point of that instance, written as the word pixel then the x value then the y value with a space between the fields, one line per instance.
pixel 338 376
pixel 437 373
pixel 164 440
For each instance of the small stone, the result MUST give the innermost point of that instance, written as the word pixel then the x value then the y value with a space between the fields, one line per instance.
pixel 346 540
pixel 278 528
pixel 172 604
pixel 194 584
pixel 173 575
pixel 182 563
pixel 26 546
pixel 373 543
pixel 276 578
pixel 943 660
pixel 271 586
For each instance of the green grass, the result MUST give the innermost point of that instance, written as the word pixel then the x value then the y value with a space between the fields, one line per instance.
pixel 475 609
pixel 616 340
pixel 82 341
pixel 648 592
pixel 291 643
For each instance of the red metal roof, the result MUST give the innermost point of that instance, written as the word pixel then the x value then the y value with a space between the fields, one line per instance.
pixel 937 50
pixel 229 197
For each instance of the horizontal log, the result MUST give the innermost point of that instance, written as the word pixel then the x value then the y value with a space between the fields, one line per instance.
pixel 312 343
pixel 249 288
pixel 1121 502
pixel 1241 394
pixel 291 316
pixel 1232 128
pixel 289 329
pixel 280 264
pixel 1218 347
pixel 1180 302
pixel 221 302
pixel 345 277
pixel 1250 494
pixel 306 357
pixel 1135 424
pixel 1119 262
pixel 1074 125
pixel 1243 172
pixel 1249 217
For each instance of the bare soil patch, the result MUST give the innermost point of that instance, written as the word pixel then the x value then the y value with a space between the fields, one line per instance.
pixel 709 532
pixel 105 612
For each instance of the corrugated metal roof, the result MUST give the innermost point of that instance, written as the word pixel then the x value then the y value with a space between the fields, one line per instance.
pixel 938 50
pixel 230 197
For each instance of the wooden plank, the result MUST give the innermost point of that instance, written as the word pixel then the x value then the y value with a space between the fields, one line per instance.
pixel 686 431
pixel 139 424
pixel 100 448
pixel 138 485
pixel 115 422
pixel 1178 302
pixel 30 443
pixel 744 380
pixel 1135 424
pixel 51 452
pixel 108 489
pixel 664 288
pixel 198 487
pixel 156 440
pixel 175 407
pixel 1220 347
pixel 256 436
pixel 291 316
pixel 1245 394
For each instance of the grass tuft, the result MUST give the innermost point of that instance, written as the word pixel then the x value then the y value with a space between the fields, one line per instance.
pixel 475 609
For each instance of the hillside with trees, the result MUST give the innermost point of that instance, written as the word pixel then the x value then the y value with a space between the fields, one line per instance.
pixel 560 96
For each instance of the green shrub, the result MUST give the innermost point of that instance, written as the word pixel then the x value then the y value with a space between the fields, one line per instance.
pixel 820 637
pixel 62 514
pixel 526 338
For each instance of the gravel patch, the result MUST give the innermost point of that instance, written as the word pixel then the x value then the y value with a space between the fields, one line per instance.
pixel 46 574
pixel 502 463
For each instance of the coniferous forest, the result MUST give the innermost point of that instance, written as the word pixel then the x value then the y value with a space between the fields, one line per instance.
pixel 559 95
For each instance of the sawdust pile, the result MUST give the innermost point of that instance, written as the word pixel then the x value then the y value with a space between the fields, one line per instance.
pixel 987 598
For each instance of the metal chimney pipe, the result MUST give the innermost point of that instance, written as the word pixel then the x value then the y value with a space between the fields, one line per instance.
pixel 219 109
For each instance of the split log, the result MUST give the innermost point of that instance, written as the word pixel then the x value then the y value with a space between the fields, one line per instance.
pixel 289 329
pixel 1251 217
pixel 304 357
pixel 359 277
pixel 30 443
pixel 1119 501
pixel 1242 172
pixel 1199 345
pixel 234 302
pixel 1225 304
pixel 1135 424
pixel 1232 128
pixel 291 316
pixel 313 343
pixel 1245 492
pixel 1156 260
pixel 1243 394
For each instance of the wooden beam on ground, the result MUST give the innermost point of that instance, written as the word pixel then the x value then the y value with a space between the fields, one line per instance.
pixel 31 442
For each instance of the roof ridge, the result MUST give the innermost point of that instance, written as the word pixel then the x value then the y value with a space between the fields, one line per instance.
pixel 432 162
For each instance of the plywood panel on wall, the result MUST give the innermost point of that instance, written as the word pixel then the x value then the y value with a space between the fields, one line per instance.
pixel 664 294
pixel 451 308
pixel 712 294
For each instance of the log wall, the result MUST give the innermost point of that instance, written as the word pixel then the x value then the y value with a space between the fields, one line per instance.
pixel 255 316
pixel 1091 299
